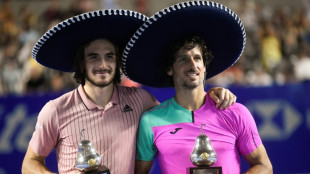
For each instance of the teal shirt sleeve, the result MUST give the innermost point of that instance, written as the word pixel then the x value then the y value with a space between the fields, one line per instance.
pixel 146 150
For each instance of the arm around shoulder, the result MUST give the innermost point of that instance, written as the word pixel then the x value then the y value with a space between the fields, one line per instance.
pixel 259 161
pixel 34 163
pixel 148 99
pixel 222 97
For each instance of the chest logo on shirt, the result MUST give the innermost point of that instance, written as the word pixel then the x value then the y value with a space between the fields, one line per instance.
pixel 175 130
pixel 127 108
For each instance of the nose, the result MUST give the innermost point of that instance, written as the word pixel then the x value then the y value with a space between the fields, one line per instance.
pixel 102 63
pixel 191 62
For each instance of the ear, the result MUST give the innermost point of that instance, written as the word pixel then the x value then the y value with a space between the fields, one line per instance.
pixel 169 72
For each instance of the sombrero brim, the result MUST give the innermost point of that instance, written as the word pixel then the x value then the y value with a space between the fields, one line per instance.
pixel 57 47
pixel 220 27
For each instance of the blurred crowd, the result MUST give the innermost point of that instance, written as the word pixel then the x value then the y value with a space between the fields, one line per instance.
pixel 277 48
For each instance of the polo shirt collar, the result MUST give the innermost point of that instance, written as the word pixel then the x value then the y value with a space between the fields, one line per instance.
pixel 91 105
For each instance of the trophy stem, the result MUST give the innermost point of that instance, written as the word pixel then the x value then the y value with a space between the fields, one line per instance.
pixel 82 134
pixel 202 129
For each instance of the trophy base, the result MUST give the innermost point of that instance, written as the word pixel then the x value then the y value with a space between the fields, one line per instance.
pixel 204 170
pixel 98 172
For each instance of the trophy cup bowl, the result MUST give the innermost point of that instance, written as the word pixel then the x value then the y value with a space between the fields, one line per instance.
pixel 203 153
pixel 87 158
pixel 203 156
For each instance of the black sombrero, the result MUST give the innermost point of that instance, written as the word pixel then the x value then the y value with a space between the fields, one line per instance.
pixel 220 27
pixel 57 47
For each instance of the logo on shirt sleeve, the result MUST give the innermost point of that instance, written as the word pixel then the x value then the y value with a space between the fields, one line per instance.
pixel 175 130
pixel 127 108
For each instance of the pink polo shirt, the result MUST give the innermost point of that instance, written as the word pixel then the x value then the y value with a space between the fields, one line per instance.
pixel 170 131
pixel 112 129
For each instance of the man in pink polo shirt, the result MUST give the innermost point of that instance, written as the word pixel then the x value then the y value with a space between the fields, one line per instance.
pixel 90 45
pixel 191 42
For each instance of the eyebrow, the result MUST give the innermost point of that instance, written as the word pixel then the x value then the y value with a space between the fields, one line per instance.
pixel 95 54
pixel 92 54
pixel 185 55
pixel 110 53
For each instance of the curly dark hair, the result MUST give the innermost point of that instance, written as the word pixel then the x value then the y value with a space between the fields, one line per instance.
pixel 188 43
pixel 80 69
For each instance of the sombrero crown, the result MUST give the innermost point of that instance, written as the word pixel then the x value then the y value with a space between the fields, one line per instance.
pixel 219 26
pixel 57 47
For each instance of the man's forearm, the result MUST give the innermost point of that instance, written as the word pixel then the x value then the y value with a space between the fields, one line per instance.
pixel 259 161
pixel 260 169
pixel 34 166
pixel 34 163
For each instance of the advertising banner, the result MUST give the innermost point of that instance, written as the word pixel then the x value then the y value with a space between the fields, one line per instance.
pixel 282 114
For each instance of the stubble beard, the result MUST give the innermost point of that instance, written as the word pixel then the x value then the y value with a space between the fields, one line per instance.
pixel 97 84
pixel 187 85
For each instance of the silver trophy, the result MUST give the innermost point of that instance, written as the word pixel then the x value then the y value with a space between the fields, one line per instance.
pixel 87 158
pixel 203 156
pixel 203 153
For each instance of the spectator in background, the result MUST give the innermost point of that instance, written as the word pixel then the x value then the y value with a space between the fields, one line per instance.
pixel 258 77
pixel 8 26
pixel 61 81
pixel 79 7
pixel 34 79
pixel 302 67
pixel 10 71
pixel 287 31
pixel 53 12
pixel 11 75
pixel 270 47
pixel 28 21
pixel 141 6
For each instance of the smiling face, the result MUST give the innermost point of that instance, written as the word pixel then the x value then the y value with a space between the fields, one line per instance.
pixel 188 69
pixel 100 62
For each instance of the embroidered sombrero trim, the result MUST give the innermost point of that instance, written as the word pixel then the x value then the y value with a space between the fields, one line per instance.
pixel 175 7
pixel 81 17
